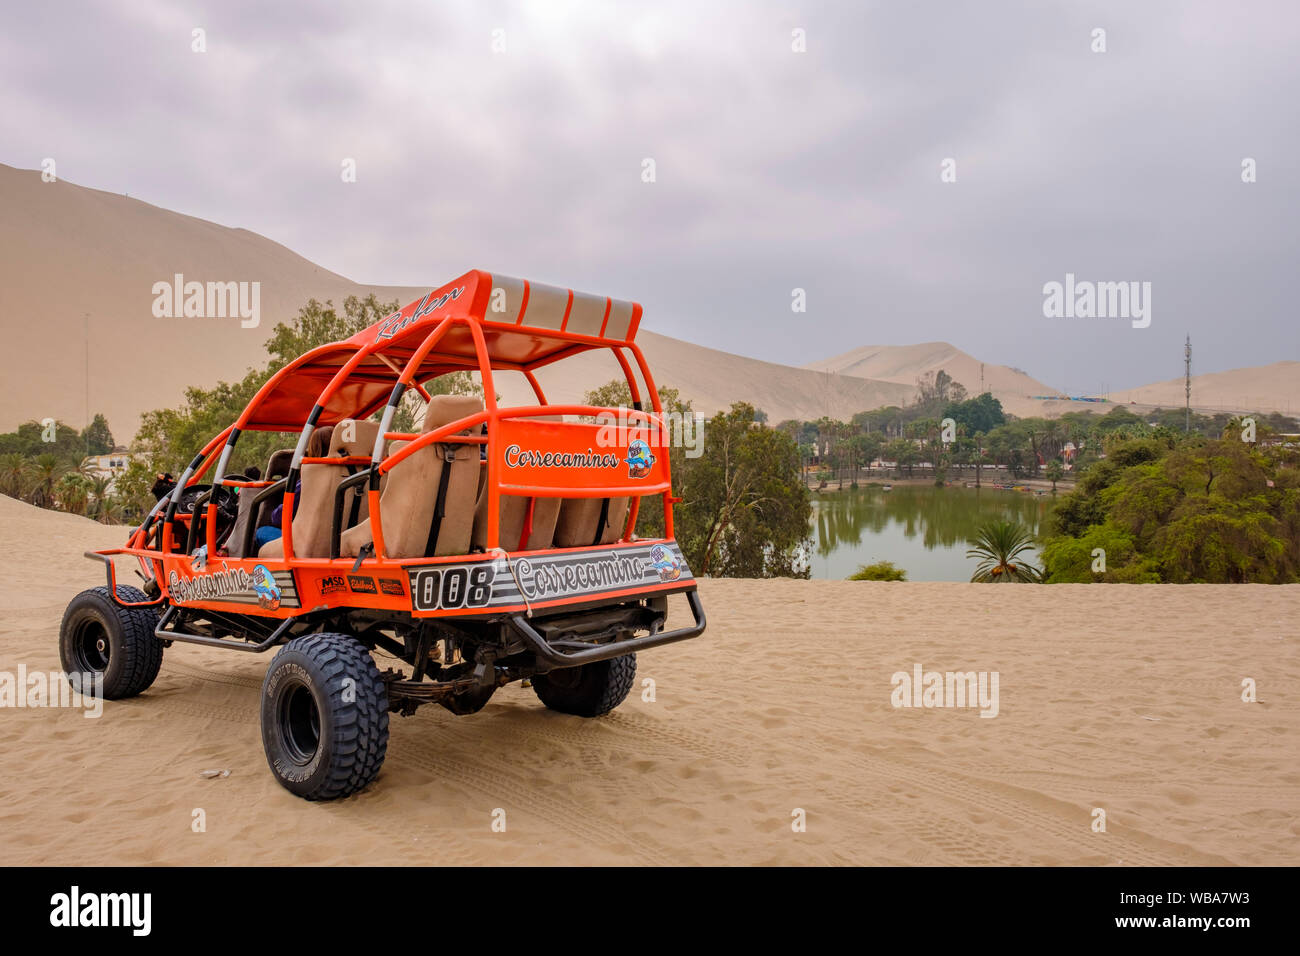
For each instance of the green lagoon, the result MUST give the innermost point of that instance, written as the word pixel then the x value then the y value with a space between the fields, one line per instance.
pixel 921 528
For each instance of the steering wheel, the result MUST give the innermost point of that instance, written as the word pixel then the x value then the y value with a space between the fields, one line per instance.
pixel 185 503
pixel 227 500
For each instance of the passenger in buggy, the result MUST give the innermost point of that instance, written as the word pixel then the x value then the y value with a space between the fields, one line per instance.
pixel 318 446
pixel 162 486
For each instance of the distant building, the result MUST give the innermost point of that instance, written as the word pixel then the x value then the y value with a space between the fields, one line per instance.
pixel 108 465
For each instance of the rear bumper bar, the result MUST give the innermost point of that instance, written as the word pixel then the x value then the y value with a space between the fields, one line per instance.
pixel 602 652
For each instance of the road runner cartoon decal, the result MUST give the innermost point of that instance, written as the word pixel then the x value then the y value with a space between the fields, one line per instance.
pixel 268 592
pixel 665 563
pixel 267 589
pixel 639 460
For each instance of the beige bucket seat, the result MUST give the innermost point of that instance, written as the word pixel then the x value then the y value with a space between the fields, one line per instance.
pixel 410 497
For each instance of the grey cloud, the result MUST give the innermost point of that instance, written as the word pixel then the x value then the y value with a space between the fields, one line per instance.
pixel 775 170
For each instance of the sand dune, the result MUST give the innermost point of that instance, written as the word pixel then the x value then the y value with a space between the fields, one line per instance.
pixel 713 380
pixel 1266 388
pixel 1129 701
pixel 78 266
pixel 905 363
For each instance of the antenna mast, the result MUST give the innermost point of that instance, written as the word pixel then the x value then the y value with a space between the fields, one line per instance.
pixel 1187 381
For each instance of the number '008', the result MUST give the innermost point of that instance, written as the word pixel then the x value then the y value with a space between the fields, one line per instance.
pixel 456 588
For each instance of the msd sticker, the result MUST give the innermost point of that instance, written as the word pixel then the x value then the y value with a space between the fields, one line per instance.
pixel 332 584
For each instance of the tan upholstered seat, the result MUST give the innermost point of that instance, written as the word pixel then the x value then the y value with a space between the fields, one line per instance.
pixel 353 439
pixel 579 523
pixel 514 514
pixel 410 496
pixel 314 516
pixel 277 466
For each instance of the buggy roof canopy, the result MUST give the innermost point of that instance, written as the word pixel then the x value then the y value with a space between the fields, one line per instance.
pixel 524 325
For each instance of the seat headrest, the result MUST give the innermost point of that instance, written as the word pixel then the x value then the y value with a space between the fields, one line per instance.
pixel 277 466
pixel 363 438
pixel 443 409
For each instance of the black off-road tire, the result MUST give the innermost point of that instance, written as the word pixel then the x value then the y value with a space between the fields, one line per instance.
pixel 590 690
pixel 324 716
pixel 99 636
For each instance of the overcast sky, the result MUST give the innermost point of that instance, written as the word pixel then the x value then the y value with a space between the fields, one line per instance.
pixel 774 169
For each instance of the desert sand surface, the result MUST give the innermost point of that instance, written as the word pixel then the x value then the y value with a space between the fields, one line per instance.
pixel 1119 697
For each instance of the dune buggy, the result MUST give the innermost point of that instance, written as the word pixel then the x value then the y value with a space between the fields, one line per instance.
pixel 491 545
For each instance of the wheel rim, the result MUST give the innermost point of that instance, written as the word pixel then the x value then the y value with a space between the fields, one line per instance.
pixel 92 645
pixel 299 721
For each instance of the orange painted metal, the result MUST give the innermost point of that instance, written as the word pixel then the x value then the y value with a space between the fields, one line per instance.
pixel 453 328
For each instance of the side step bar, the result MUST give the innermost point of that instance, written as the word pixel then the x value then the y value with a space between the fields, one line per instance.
pixel 602 652
pixel 162 634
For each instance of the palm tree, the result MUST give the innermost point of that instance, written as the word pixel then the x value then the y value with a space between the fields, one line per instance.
pixel 1054 472
pixel 47 468
pixel 111 510
pixel 15 470
pixel 1053 438
pixel 72 493
pixel 98 488
pixel 998 545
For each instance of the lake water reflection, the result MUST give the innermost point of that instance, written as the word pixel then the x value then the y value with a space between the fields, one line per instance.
pixel 921 528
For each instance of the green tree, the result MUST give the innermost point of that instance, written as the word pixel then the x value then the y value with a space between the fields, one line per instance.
pixel 46 471
pixel 96 437
pixel 999 545
pixel 30 439
pixel 745 508
pixel 132 498
pixel 980 414
pixel 938 388
pixel 1182 509
pixel 15 473
pixel 1103 553
pixel 72 493
pixel 1054 472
